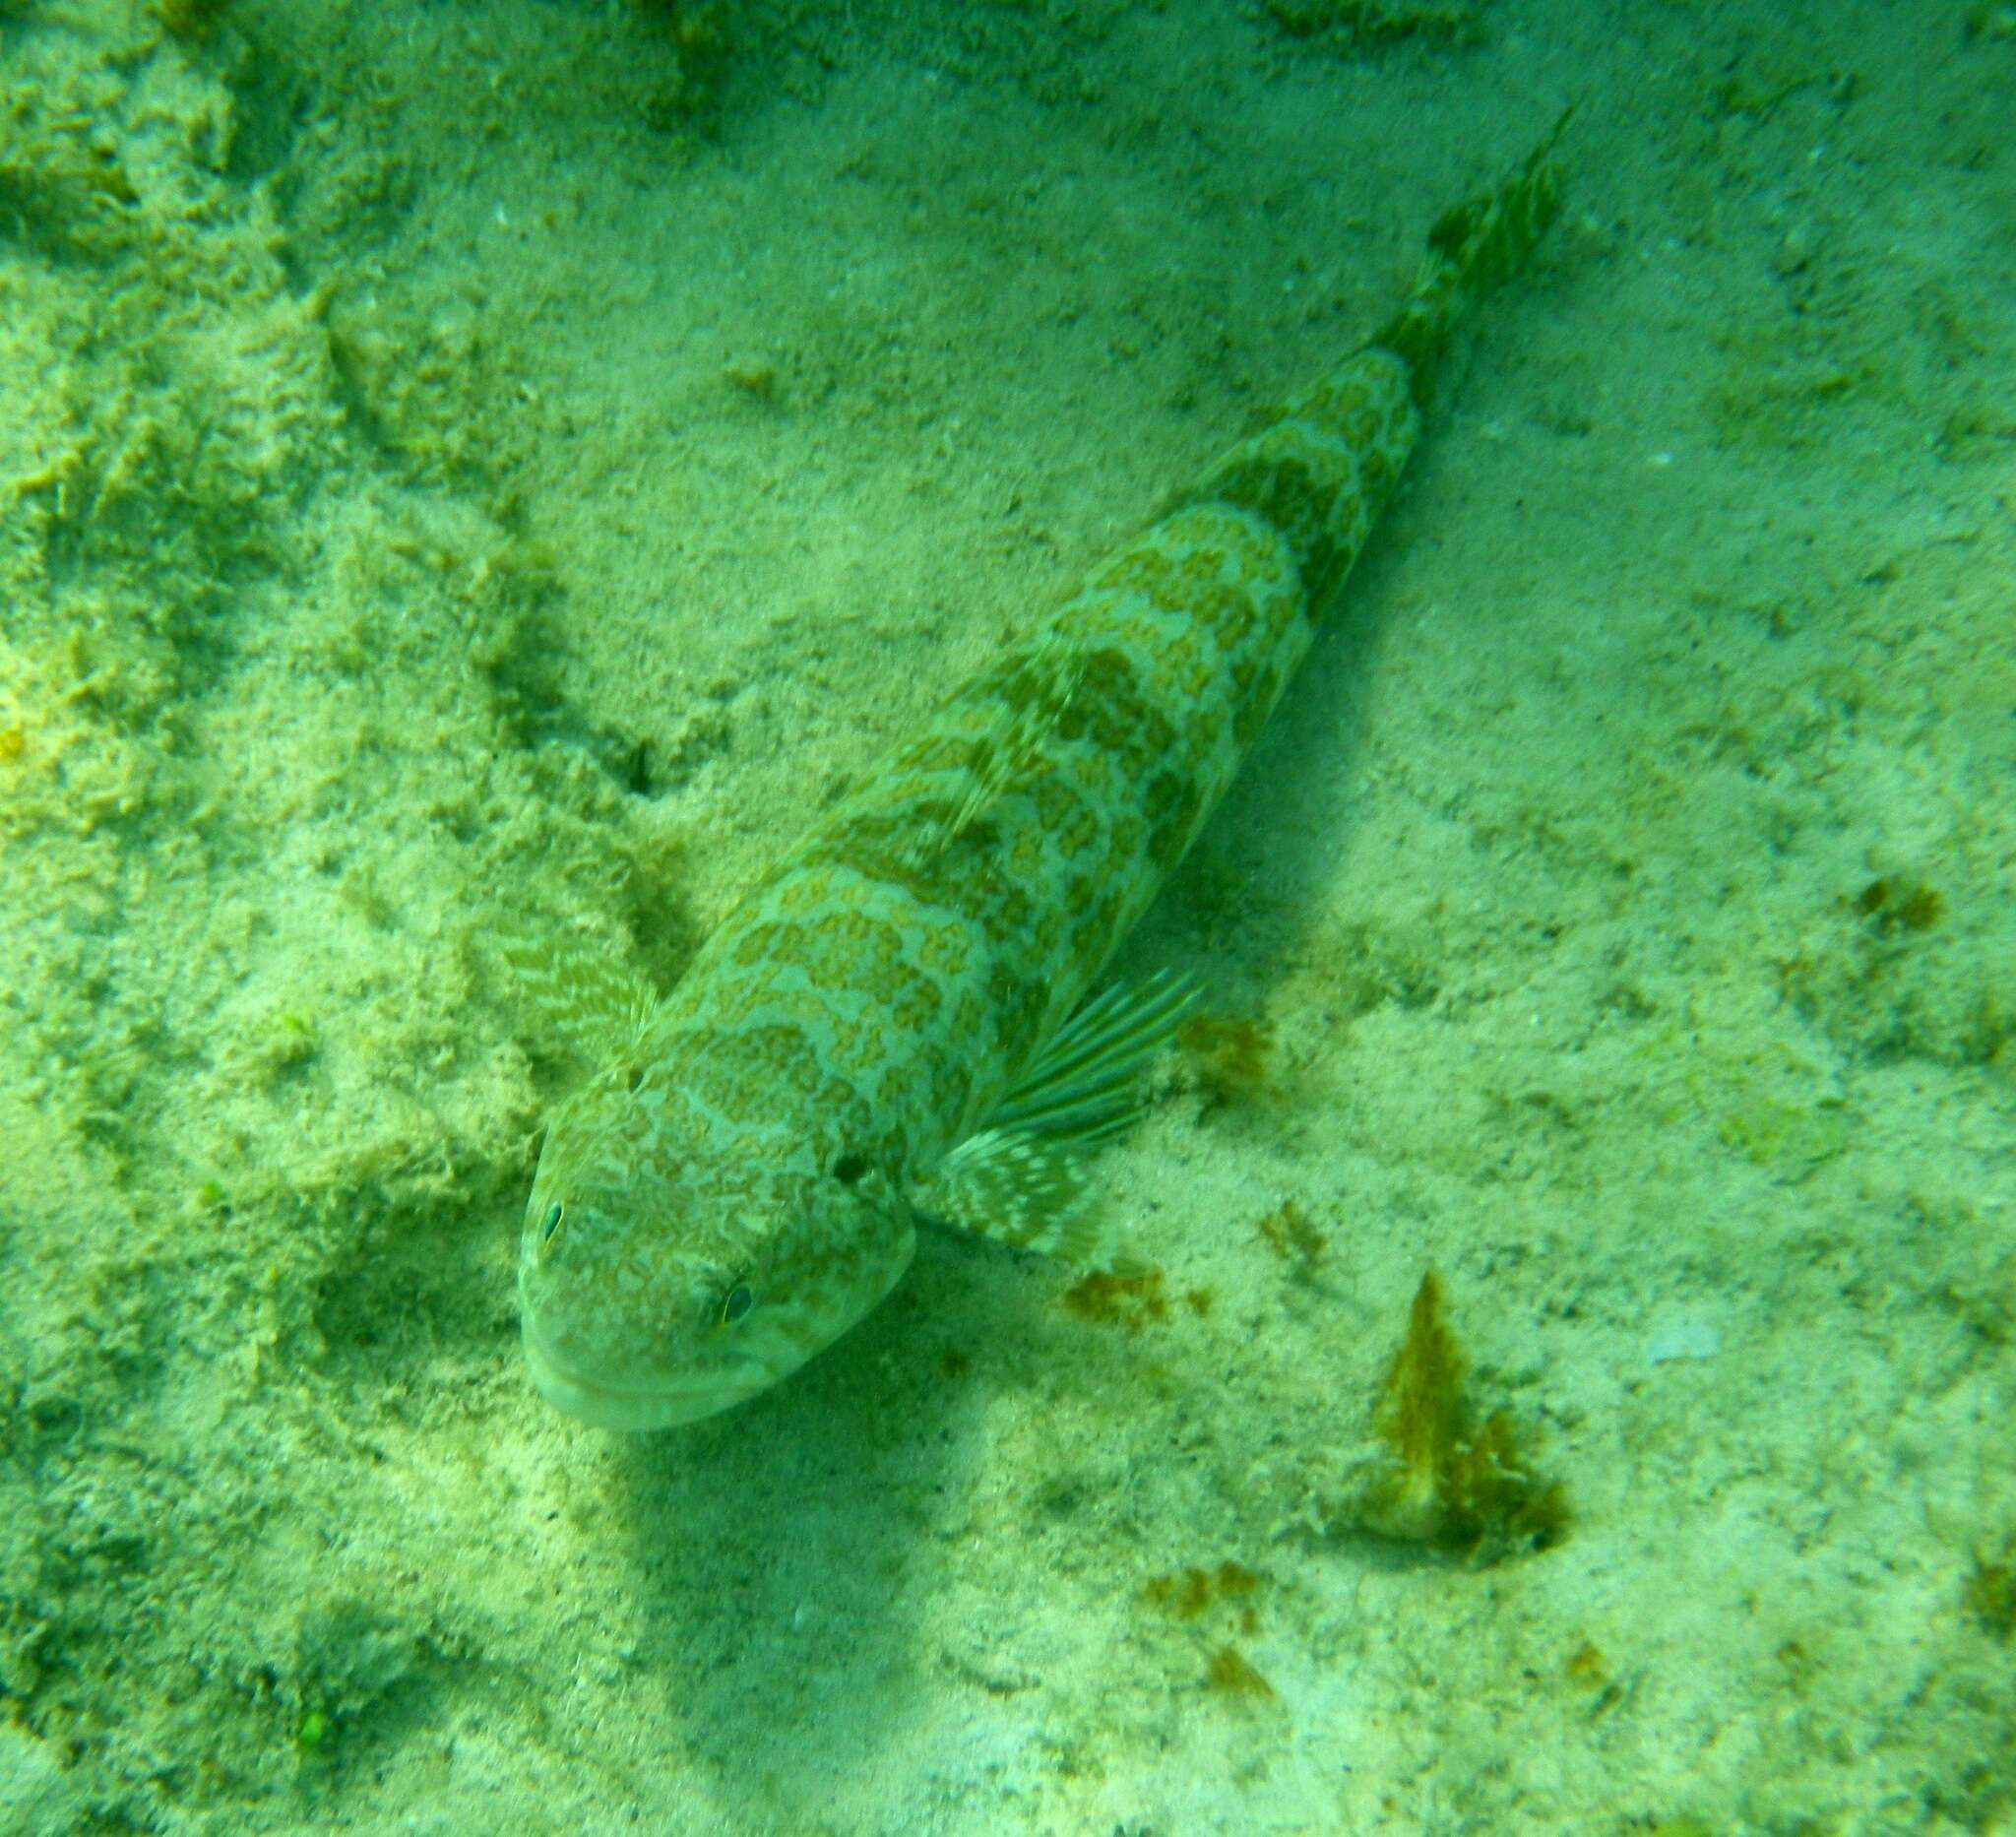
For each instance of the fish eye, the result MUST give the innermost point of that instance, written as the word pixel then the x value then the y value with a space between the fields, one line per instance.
pixel 735 1304
pixel 552 1221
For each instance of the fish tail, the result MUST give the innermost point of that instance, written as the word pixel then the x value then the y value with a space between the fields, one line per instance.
pixel 1320 473
pixel 1474 247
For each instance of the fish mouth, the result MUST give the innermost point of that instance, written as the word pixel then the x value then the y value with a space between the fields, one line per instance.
pixel 638 1406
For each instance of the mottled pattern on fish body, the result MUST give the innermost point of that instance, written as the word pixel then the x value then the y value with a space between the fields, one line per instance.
pixel 741 1182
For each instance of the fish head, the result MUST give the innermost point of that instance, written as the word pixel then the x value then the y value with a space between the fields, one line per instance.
pixel 672 1267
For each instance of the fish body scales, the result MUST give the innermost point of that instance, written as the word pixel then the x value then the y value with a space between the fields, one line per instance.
pixel 893 1023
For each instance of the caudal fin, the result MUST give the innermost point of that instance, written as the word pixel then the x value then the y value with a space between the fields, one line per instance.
pixel 1474 247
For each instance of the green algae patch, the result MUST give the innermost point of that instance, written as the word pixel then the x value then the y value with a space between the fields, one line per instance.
pixel 1790 1137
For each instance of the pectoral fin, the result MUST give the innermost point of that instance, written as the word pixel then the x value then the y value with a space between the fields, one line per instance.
pixel 591 1005
pixel 1024 1179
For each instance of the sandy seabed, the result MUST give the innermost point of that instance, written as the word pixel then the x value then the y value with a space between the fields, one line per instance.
pixel 472 466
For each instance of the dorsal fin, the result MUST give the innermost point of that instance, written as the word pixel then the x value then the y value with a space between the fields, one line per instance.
pixel 1029 702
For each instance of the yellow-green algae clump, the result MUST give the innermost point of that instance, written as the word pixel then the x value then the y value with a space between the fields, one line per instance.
pixel 1439 1474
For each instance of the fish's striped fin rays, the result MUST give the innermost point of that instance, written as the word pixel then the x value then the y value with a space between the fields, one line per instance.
pixel 1031 695
pixel 1022 1190
pixel 1024 1179
pixel 589 1003
pixel 1474 247
pixel 1085 1084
